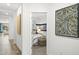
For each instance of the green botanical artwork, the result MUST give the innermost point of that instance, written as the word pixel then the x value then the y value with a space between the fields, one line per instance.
pixel 67 21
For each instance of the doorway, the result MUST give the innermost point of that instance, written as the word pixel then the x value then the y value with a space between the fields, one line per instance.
pixel 39 31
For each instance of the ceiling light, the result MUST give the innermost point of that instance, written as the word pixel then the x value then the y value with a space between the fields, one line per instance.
pixel 8 4
pixel 6 13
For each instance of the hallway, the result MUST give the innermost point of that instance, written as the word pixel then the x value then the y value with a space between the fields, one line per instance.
pixel 5 47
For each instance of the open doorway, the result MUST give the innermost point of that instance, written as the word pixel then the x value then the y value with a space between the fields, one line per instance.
pixel 39 31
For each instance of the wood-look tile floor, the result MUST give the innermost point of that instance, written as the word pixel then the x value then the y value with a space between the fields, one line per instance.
pixel 5 47
pixel 38 50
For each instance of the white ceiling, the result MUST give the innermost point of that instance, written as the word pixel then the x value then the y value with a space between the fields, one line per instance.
pixel 8 9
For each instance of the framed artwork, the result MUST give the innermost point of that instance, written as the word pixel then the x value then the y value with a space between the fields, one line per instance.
pixel 1 27
pixel 42 26
pixel 67 21
pixel 18 24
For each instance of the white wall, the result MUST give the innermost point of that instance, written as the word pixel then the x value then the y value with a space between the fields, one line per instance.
pixel 12 29
pixel 55 44
pixel 26 30
pixel 3 19
pixel 12 33
pixel 59 44
pixel 18 37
